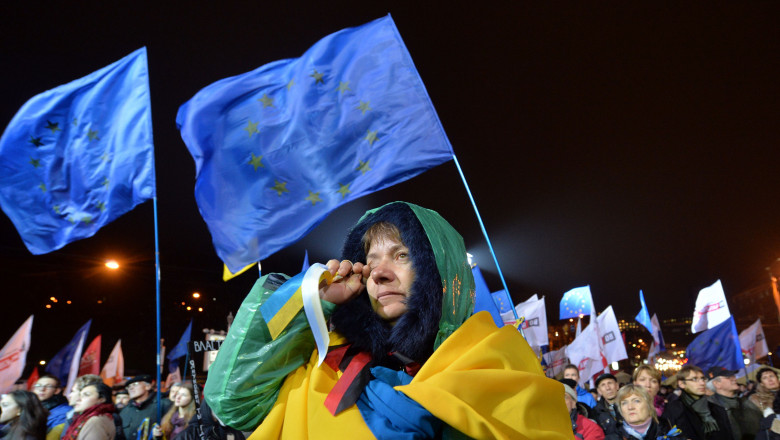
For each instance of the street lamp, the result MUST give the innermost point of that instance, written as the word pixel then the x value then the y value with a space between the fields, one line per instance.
pixel 112 264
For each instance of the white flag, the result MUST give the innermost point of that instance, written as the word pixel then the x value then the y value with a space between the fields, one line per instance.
pixel 612 344
pixel 658 340
pixel 535 324
pixel 753 343
pixel 585 354
pixel 711 308
pixel 509 317
pixel 13 356
pixel 114 370
pixel 556 360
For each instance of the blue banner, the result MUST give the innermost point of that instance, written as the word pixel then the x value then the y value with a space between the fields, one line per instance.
pixel 77 157
pixel 181 348
pixel 718 346
pixel 60 365
pixel 277 149
pixel 483 300
pixel 643 317
pixel 576 302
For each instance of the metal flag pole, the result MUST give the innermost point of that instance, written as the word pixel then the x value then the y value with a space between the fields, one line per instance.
pixel 484 232
pixel 157 281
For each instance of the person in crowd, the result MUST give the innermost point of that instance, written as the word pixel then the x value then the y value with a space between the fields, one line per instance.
pixel 22 416
pixel 400 306
pixel 177 418
pixel 49 391
pixel 640 420
pixel 769 428
pixel 121 399
pixel 606 411
pixel 680 411
pixel 75 395
pixel 572 372
pixel 766 390
pixel 94 419
pixel 212 428
pixel 582 427
pixel 647 377
pixel 143 405
pixel 736 418
pixel 172 393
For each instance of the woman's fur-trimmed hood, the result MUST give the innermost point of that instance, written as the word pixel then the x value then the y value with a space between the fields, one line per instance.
pixel 415 332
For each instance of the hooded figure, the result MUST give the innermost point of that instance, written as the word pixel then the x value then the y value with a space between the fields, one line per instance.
pixel 404 359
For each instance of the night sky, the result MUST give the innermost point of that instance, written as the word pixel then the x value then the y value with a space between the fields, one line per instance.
pixel 618 145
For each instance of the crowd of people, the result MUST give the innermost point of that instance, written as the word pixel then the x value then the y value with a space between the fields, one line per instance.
pixel 94 411
pixel 402 357
pixel 707 405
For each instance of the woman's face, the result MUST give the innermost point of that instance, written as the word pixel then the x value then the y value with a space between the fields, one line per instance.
pixel 648 382
pixel 88 398
pixel 634 409
pixel 10 410
pixel 183 397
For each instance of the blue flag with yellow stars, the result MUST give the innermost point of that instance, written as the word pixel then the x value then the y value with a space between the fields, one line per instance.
pixel 76 157
pixel 576 302
pixel 718 346
pixel 278 148
pixel 69 356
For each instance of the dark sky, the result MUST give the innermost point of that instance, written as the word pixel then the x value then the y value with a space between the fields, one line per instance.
pixel 623 146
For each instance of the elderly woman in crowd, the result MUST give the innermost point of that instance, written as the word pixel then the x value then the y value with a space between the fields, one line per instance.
pixel 95 415
pixel 22 417
pixel 649 378
pixel 176 419
pixel 640 420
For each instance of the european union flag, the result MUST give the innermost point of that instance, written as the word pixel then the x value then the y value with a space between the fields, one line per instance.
pixel 502 300
pixel 278 148
pixel 718 346
pixel 181 348
pixel 576 302
pixel 66 362
pixel 643 317
pixel 76 157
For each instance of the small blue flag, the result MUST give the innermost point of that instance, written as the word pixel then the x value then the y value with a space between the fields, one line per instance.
pixel 718 346
pixel 62 362
pixel 576 302
pixel 644 316
pixel 502 300
pixel 77 157
pixel 181 348
pixel 305 261
pixel 277 149
pixel 483 300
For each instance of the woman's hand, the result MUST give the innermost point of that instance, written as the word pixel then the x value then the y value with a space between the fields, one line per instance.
pixel 348 282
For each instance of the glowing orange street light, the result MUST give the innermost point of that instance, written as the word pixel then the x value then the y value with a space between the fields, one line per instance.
pixel 48 306
pixel 196 295
pixel 42 362
pixel 200 309
pixel 189 308
pixel 112 264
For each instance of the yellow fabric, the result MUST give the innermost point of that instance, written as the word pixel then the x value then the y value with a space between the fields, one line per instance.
pixel 487 383
pixel 227 275
pixel 55 432
pixel 279 322
pixel 300 413
pixel 483 381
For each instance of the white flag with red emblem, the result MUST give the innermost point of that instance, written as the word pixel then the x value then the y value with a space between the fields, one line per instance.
pixel 711 308
pixel 753 343
pixel 114 370
pixel 13 356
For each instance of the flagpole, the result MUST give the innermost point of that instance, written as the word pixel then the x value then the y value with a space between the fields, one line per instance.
pixel 157 282
pixel 484 232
